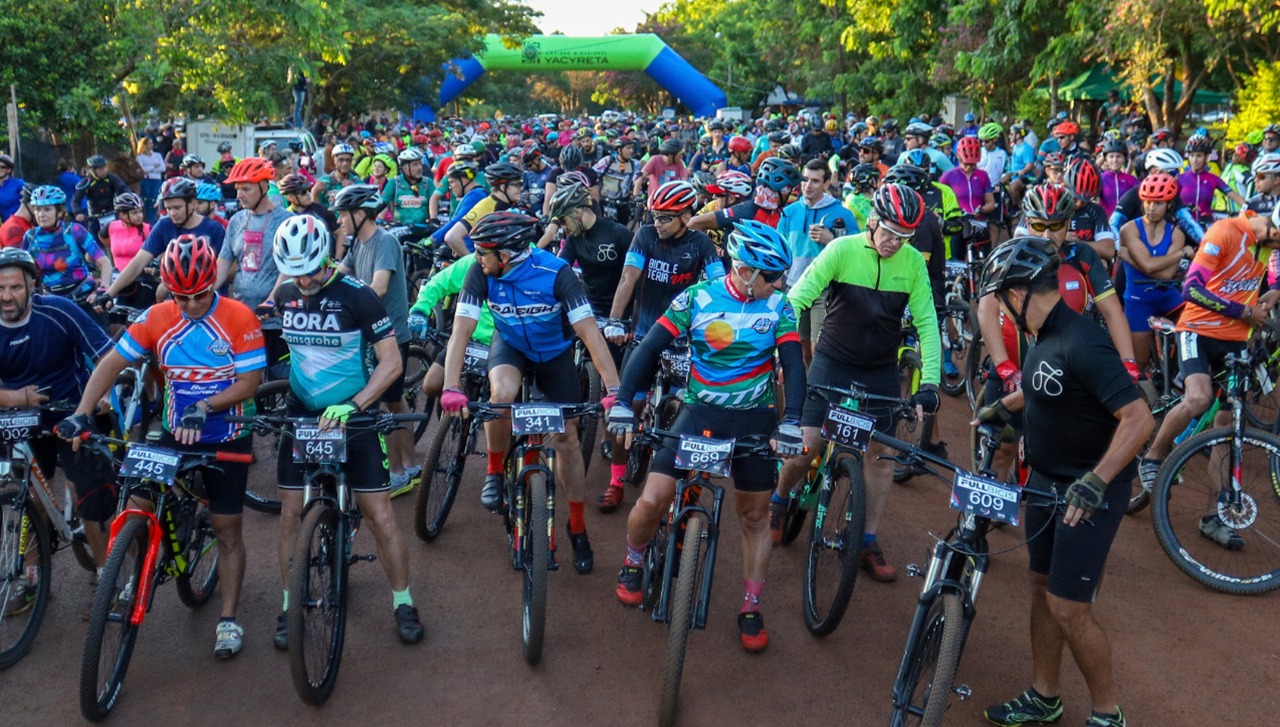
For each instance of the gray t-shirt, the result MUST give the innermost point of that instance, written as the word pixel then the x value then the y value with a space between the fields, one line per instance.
pixel 382 252
pixel 248 242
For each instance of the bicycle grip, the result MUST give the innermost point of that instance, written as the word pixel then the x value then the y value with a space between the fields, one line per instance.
pixel 240 457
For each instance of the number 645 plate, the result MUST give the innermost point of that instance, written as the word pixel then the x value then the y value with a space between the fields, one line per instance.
pixel 311 445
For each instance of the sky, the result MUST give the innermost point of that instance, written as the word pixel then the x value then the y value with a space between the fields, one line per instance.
pixel 590 17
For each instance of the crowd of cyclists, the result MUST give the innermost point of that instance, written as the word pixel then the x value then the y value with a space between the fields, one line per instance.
pixel 784 252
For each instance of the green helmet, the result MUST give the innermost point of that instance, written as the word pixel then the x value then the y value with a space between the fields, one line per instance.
pixel 990 131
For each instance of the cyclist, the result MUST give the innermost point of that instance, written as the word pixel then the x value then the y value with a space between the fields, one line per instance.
pixel 1129 207
pixel 596 245
pixel 50 347
pixel 775 183
pixel 65 254
pixel 407 194
pixel 974 190
pixel 1115 181
pixel 869 279
pixel 537 173
pixel 1266 173
pixel 180 218
pixel 208 197
pixel 618 173
pixel 735 326
pixel 1223 306
pixel 1197 185
pixel 994 160
pixel 537 304
pixel 863 180
pixel 15 226
pixel 939 199
pixel 465 192
pixel 1055 166
pixel 98 189
pixel 125 237
pixel 328 186
pixel 662 167
pixel 336 376
pixel 1163 260
pixel 739 157
pixel 297 192
pixel 1238 174
pixel 506 181
pixel 1022 162
pixel 1085 422
pixel 209 349
pixel 775 140
pixel 573 166
pixel 1089 222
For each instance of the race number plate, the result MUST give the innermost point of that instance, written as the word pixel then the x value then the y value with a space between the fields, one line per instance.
pixel 701 454
pixel 848 427
pixel 311 445
pixel 16 426
pixel 985 497
pixel 536 419
pixel 150 463
pixel 476 356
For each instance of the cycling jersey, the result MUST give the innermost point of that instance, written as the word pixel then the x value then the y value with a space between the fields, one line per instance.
pixel 1145 299
pixel 57 346
pixel 1023 154
pixel 1223 280
pixel 534 304
pixel 331 336
pixel 1114 186
pixel 860 206
pixel 13 230
pixel 1197 189
pixel 460 210
pixel 331 185
pixel 126 241
pixel 1239 178
pixel 970 189
pixel 99 193
pixel 449 282
pixel 407 201
pixel 731 342
pixel 617 178
pixel 1089 224
pixel 164 232
pixel 747 210
pixel 667 267
pixel 65 255
pixel 535 187
pixel 1082 282
pixel 600 253
pixel 199 359
pixel 483 208
pixel 995 163
pixel 866 297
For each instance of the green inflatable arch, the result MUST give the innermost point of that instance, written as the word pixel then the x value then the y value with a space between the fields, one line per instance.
pixel 641 52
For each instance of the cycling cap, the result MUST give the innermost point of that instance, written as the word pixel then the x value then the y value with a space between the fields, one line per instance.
pixel 674 196
pixel 189 265
pixel 1050 202
pixel 505 230
pixel 759 246
pixel 1082 178
pixel 252 170
pixel 898 204
pixel 1020 261
pixel 778 174
pixel 301 246
pixel 568 198
pixel 1158 187
pixel 358 197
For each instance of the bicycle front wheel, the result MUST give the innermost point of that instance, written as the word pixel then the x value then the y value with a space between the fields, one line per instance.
pixel 592 391
pixel 537 557
pixel 111 634
pixel 25 573
pixel 932 668
pixel 680 623
pixel 260 491
pixel 959 339
pixel 200 574
pixel 831 567
pixel 317 613
pixel 441 475
pixel 1226 540
pixel 416 366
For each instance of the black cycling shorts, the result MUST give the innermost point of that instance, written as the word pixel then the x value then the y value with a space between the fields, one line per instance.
pixel 93 475
pixel 750 474
pixel 1073 558
pixel 395 392
pixel 557 378
pixel 1203 355
pixel 224 486
pixel 829 372
pixel 366 466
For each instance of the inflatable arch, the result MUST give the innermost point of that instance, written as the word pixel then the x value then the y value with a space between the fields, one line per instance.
pixel 641 52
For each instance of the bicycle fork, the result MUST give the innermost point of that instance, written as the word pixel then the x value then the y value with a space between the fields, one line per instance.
pixel 675 544
pixel 145 585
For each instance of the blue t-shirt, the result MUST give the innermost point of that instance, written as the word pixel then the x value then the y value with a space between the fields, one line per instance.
pixel 164 232
pixel 56 347
pixel 10 197
pixel 1022 155
pixel 460 210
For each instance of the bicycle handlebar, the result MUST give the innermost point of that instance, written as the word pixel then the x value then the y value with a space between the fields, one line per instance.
pixel 187 457
pixel 748 446
pixel 488 411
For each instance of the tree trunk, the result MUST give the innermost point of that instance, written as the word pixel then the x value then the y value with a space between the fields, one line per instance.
pixel 1053 95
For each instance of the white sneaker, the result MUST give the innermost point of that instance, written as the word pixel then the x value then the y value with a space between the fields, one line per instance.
pixel 230 639
pixel 404 482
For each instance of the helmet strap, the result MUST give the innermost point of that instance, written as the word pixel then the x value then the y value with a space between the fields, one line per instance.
pixel 1020 315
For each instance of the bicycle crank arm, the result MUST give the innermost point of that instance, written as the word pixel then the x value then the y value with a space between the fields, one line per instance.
pixel 352 559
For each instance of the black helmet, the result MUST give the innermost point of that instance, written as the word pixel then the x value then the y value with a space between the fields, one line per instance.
pixel 570 158
pixel 670 146
pixel 568 198
pixel 716 125
pixel 181 188
pixel 865 176
pixel 95 161
pixel 467 169
pixel 357 197
pixel 11 257
pixel 505 230
pixel 1020 261
pixel 224 147
pixel 24 195
pixel 779 137
pixel 908 174
pixel 788 151
pixel 1115 146
pixel 506 172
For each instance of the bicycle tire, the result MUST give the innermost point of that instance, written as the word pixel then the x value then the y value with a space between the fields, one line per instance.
pixel 910 371
pixel 1260 406
pixel 113 602
pixel 655 560
pixel 270 399
pixel 537 553
pixel 933 667
pixel 200 576
pixel 18 632
pixel 417 363
pixel 960 337
pixel 680 623
pixel 1180 500
pixel 592 391
pixel 80 549
pixel 442 471
pixel 793 520
pixel 838 527
pixel 317 598
pixel 974 380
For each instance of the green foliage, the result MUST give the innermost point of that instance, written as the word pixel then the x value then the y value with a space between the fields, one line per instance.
pixel 1257 102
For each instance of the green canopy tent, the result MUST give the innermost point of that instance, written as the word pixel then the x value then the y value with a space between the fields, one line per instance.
pixel 1201 97
pixel 1093 84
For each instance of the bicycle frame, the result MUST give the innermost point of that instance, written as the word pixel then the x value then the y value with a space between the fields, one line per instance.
pixel 687 501
pixel 63 519
pixel 534 455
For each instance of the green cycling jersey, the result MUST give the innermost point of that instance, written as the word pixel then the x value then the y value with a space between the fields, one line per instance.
pixel 449 282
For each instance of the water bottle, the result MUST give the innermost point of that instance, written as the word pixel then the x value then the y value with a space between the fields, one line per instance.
pixel 839 229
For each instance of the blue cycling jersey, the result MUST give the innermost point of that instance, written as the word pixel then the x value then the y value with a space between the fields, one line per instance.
pixel 56 347
pixel 460 210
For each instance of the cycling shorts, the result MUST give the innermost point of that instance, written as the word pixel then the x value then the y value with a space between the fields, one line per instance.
pixel 93 475
pixel 366 466
pixel 750 474
pixel 395 392
pixel 1073 557
pixel 224 482
pixel 557 378
pixel 828 372
pixel 1143 300
pixel 1204 355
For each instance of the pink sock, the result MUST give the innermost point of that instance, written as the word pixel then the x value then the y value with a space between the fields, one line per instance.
pixel 751 600
pixel 635 556
pixel 617 473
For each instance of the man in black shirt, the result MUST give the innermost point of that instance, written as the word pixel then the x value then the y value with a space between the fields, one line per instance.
pixel 1085 423
pixel 596 244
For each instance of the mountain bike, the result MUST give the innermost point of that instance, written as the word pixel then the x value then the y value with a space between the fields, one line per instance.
pixel 661 405
pixel 134 395
pixel 528 500
pixel 680 561
pixel 173 540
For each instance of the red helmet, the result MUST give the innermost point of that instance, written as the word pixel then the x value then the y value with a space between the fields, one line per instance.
pixel 251 169
pixel 1066 128
pixel 1082 178
pixel 421 139
pixel 676 196
pixel 189 265
pixel 969 150
pixel 899 204
pixel 740 144
pixel 1158 188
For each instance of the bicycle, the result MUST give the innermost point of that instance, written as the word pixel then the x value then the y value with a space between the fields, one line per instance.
pixel 592 389
pixel 959 330
pixel 680 561
pixel 528 501
pixel 317 612
pixel 661 405
pixel 910 372
pixel 34 524
pixel 133 397
pixel 173 541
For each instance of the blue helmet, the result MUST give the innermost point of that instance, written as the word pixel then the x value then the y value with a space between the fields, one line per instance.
pixel 920 158
pixel 778 174
pixel 208 192
pixel 759 246
pixel 48 196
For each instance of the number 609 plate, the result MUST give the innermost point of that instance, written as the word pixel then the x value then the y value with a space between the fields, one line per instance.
pixel 985 497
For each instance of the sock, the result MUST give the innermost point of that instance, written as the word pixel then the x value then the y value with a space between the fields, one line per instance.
pixel 617 473
pixel 778 500
pixel 751 599
pixel 227 620
pixel 868 538
pixel 577 519
pixel 496 462
pixel 286 600
pixel 1041 696
pixel 401 598
pixel 635 556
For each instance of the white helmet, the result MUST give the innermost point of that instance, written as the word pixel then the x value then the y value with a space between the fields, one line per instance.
pixel 1165 160
pixel 409 155
pixel 465 151
pixel 343 148
pixel 1267 164
pixel 301 246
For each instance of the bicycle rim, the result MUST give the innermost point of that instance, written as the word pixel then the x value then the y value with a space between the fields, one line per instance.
pixel 835 541
pixel 680 623
pixel 317 605
pixel 441 474
pixel 110 638
pixel 1194 484
pixel 25 573
pixel 537 547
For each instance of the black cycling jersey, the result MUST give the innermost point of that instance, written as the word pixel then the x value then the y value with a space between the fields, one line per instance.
pixel 1089 223
pixel 1261 203
pixel 600 254
pixel 928 240
pixel 666 268
pixel 1073 383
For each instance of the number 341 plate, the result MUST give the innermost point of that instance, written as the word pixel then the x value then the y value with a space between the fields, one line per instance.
pixel 311 445
pixel 536 419
pixel 985 497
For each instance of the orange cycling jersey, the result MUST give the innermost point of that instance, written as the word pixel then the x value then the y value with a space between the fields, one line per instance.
pixel 1223 279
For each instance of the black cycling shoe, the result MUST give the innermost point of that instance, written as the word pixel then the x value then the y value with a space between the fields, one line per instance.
pixel 281 639
pixel 491 493
pixel 408 625
pixel 583 558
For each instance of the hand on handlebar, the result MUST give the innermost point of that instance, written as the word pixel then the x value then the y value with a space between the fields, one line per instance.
pixel 621 420
pixel 788 440
pixel 453 401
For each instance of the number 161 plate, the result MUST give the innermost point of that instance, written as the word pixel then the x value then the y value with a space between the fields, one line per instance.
pixel 848 427
pixel 985 497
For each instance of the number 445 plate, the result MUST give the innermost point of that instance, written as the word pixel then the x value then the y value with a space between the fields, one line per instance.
pixel 151 463
pixel 985 497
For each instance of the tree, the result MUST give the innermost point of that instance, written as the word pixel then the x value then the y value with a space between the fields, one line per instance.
pixel 1258 102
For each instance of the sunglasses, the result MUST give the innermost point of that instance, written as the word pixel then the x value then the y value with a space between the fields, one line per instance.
pixel 664 219
pixel 772 276
pixel 1051 227
pixel 193 298
pixel 900 234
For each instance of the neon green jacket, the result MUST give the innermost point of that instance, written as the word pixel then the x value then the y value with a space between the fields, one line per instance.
pixel 448 282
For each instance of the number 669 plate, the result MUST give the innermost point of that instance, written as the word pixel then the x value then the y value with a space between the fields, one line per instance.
pixel 985 497
pixel 312 445
pixel 701 454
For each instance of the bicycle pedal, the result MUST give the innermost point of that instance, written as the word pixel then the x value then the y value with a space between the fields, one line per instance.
pixel 963 692
pixel 914 571
pixel 368 558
